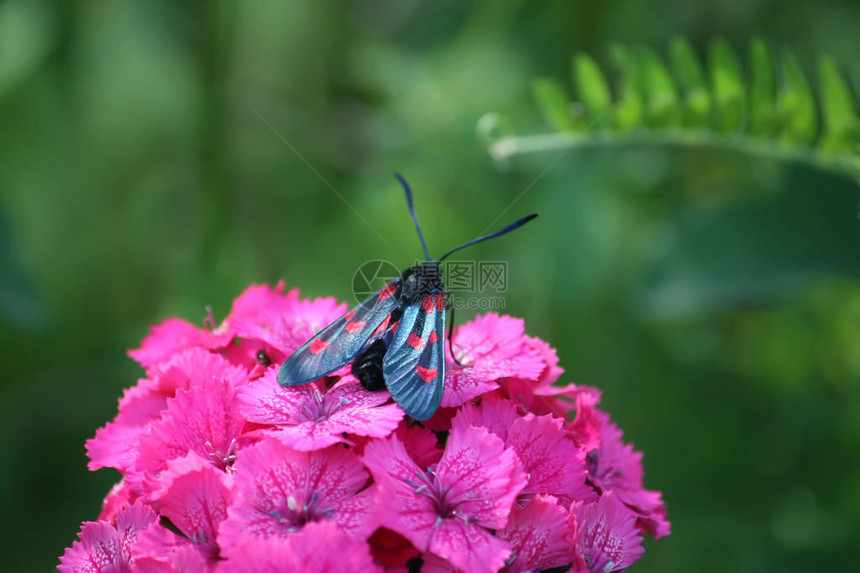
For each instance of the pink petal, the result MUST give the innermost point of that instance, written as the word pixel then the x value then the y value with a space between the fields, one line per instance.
pixel 159 550
pixel 264 401
pixel 482 474
pixel 140 404
pixel 356 515
pixel 435 564
pixel 477 475
pixel 462 384
pixel 607 535
pixel 204 419
pixel 617 467
pixel 541 534
pixel 309 420
pixel 97 550
pixel 191 367
pixel 130 521
pixel 552 371
pixel 586 426
pixel 278 490
pixel 469 547
pixel 286 322
pixel 317 548
pixel 494 413
pixel 118 497
pixel 398 506
pixel 194 496
pixel 181 560
pixel 113 446
pixel 262 304
pixel 490 348
pixel 551 460
pixel 172 336
pixel 102 547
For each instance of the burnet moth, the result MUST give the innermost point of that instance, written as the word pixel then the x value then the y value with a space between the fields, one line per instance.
pixel 395 337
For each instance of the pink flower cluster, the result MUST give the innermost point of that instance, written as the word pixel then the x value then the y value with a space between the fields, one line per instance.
pixel 224 470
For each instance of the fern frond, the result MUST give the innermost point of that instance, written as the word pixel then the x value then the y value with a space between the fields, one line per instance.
pixel 769 108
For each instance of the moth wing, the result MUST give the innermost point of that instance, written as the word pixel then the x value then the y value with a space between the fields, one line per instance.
pixel 339 342
pixel 414 365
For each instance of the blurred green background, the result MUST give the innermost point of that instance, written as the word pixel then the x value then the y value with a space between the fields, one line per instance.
pixel 712 295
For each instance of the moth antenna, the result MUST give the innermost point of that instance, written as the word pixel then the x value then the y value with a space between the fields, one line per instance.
pixel 408 192
pixel 515 225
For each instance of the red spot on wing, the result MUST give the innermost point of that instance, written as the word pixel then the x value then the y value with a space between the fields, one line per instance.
pixel 381 328
pixel 387 291
pixel 415 341
pixel 348 316
pixel 427 303
pixel 394 327
pixel 440 302
pixel 433 337
pixel 318 346
pixel 353 327
pixel 426 374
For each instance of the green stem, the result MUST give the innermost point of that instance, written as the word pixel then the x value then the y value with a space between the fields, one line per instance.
pixel 505 147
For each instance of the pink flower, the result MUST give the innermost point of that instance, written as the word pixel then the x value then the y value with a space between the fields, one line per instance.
pixel 318 548
pixel 159 550
pixel 551 371
pixel 103 547
pixel 113 445
pixel 549 457
pixel 541 534
pixel 187 369
pixel 279 490
pixel 261 304
pixel 271 325
pixel 617 467
pixel 490 348
pixel 607 537
pixel 449 510
pixel 222 469
pixel 204 419
pixel 281 321
pixel 119 496
pixel 308 419
pixel 586 425
pixel 194 496
pixel 172 336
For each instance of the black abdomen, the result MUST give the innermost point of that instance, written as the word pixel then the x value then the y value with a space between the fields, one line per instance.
pixel 367 366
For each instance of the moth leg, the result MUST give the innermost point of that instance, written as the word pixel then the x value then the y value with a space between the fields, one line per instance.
pixel 451 337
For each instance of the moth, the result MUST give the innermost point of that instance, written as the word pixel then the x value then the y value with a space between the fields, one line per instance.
pixel 395 338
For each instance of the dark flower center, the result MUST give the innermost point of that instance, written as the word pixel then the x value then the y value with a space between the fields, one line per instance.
pixel 444 505
pixel 294 515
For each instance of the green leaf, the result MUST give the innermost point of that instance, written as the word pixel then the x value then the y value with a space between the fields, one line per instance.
pixel 797 103
pixel 629 110
pixel 662 95
pixel 553 103
pixel 593 91
pixel 728 86
pixel 769 114
pixel 840 121
pixel 763 119
pixel 697 99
